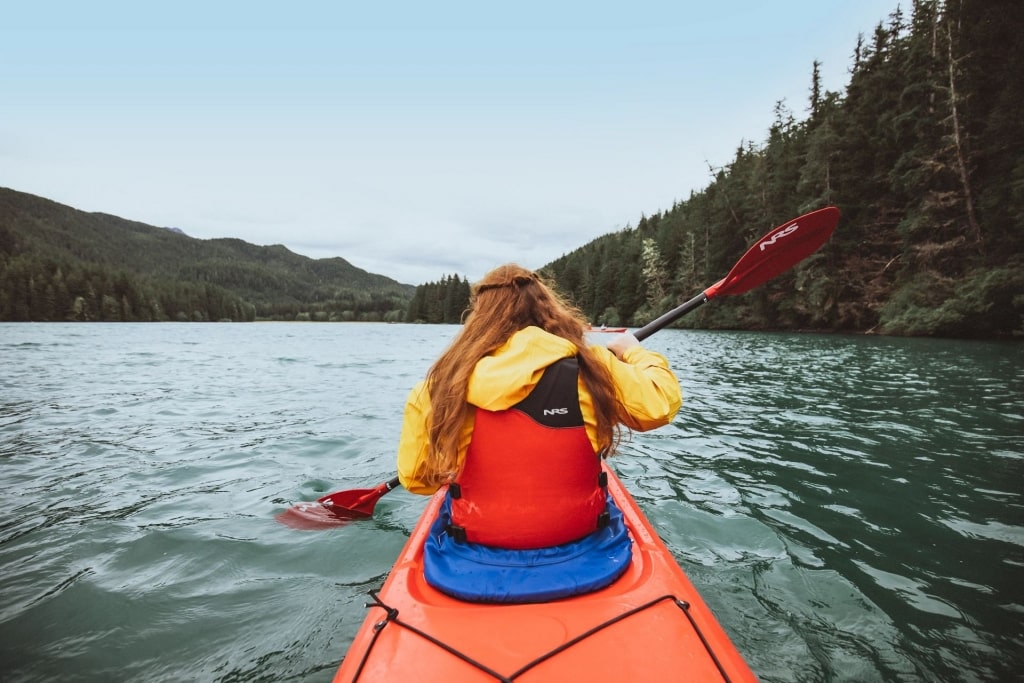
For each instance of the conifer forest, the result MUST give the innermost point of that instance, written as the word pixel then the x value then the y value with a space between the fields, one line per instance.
pixel 923 153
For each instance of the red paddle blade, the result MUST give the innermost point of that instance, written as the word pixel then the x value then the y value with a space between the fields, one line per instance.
pixel 778 251
pixel 336 509
pixel 356 501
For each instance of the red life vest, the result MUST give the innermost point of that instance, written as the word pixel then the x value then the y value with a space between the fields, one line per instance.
pixel 531 478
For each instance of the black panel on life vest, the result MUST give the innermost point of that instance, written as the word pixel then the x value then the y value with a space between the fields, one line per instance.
pixel 554 402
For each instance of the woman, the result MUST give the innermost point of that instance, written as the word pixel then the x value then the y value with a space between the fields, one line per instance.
pixel 514 417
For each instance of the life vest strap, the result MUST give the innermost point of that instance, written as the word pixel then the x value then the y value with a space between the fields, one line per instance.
pixel 458 533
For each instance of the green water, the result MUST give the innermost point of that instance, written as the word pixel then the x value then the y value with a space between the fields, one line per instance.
pixel 851 508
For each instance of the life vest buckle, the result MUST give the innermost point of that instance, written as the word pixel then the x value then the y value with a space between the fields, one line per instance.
pixel 457 533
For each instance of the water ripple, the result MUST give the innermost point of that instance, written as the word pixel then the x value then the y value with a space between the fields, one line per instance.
pixel 850 508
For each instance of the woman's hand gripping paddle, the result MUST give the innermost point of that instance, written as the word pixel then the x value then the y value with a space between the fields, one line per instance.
pixel 772 255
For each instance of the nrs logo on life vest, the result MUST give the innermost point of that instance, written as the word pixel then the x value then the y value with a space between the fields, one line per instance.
pixel 556 411
pixel 788 230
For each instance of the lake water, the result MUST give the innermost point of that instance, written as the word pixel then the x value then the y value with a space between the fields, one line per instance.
pixel 851 508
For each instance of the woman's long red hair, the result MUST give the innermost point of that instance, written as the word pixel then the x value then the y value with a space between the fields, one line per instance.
pixel 506 300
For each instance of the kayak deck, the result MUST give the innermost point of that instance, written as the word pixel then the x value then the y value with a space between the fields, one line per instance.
pixel 650 624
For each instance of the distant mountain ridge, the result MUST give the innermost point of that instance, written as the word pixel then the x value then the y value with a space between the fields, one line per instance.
pixel 41 239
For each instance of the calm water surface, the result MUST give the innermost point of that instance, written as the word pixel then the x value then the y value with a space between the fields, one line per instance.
pixel 851 508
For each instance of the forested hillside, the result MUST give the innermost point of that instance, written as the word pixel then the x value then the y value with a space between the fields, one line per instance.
pixel 58 263
pixel 444 301
pixel 924 155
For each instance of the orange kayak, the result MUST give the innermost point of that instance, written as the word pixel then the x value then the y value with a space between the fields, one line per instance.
pixel 649 625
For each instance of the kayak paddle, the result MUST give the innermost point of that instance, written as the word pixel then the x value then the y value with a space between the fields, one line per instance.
pixel 775 253
pixel 335 509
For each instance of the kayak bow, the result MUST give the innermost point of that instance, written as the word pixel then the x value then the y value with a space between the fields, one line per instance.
pixel 649 625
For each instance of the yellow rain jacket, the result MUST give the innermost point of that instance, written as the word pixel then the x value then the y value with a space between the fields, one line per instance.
pixel 649 390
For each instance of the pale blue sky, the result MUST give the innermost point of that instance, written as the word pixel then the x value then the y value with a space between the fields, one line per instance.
pixel 412 139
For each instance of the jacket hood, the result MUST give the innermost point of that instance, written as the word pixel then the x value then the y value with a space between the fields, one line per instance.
pixel 507 376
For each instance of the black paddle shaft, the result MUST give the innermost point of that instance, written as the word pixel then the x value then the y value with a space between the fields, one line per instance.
pixel 670 317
